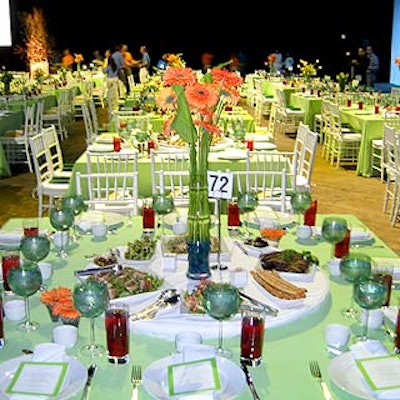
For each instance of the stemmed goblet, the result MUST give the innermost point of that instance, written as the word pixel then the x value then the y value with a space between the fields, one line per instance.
pixel 77 206
pixel 25 280
pixel 369 293
pixel 334 230
pixel 91 299
pixel 247 202
pixel 300 200
pixel 354 266
pixel 221 301
pixel 163 204
pixel 61 219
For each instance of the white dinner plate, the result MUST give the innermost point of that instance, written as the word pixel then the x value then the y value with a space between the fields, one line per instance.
pixel 223 144
pixel 87 219
pixel 78 377
pixel 344 373
pixel 155 378
pixel 101 148
pixel 257 251
pixel 258 137
pixel 266 217
pixel 264 146
pixel 233 154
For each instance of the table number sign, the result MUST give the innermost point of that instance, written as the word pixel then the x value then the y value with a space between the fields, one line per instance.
pixel 220 184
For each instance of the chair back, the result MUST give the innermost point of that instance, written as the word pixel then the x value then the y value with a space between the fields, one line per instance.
pixel 272 174
pixel 110 192
pixel 52 144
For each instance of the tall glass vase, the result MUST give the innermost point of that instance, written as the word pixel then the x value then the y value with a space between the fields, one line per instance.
pixel 199 242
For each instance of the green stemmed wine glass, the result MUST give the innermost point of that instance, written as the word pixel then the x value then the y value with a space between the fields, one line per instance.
pixel 300 200
pixel 334 230
pixel 24 281
pixel 354 266
pixel 247 202
pixel 91 299
pixel 61 219
pixel 369 293
pixel 77 205
pixel 163 204
pixel 35 248
pixel 221 302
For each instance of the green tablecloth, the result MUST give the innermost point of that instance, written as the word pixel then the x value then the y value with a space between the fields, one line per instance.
pixel 371 127
pixel 269 88
pixel 310 104
pixel 284 373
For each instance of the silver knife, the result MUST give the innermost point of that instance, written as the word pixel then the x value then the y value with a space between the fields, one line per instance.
pixel 249 381
pixel 91 373
pixel 268 309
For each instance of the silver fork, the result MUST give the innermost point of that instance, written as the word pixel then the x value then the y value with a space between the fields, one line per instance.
pixel 136 380
pixel 316 373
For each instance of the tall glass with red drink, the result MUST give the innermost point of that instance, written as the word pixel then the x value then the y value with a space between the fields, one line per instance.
pixel 233 214
pixel 10 259
pixel 117 332
pixel 252 335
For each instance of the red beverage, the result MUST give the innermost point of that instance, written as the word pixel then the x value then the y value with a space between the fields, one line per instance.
pixel 31 231
pixel 388 278
pixel 151 144
pixel 9 261
pixel 233 215
pixel 117 144
pixel 342 248
pixel 376 108
pixel 148 218
pixel 348 102
pixel 252 339
pixel 360 105
pixel 311 91
pixel 250 145
pixel 311 214
pixel 117 331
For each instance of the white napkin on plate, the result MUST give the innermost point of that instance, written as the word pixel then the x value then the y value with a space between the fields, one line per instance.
pixel 369 349
pixel 46 352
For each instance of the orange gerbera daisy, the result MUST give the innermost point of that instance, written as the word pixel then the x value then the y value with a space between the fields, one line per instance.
pixel 179 76
pixel 397 61
pixel 200 96
pixel 166 100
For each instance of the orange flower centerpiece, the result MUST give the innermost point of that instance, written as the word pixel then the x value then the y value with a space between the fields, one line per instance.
pixel 196 106
pixel 78 59
pixel 60 304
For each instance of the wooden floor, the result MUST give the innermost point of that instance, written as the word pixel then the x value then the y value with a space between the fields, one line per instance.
pixel 337 190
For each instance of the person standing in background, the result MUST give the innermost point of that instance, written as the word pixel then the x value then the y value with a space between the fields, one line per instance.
pixel 144 64
pixel 360 65
pixel 206 62
pixel 68 59
pixel 373 68
pixel 129 63
pixel 288 65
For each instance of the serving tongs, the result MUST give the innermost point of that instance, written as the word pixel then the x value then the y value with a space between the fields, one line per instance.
pixel 94 271
pixel 267 308
pixel 166 298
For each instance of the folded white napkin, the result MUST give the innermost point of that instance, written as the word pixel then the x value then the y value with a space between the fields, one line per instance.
pixel 9 238
pixel 46 352
pixel 370 349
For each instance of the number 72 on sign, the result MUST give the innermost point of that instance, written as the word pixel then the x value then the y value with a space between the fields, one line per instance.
pixel 220 184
